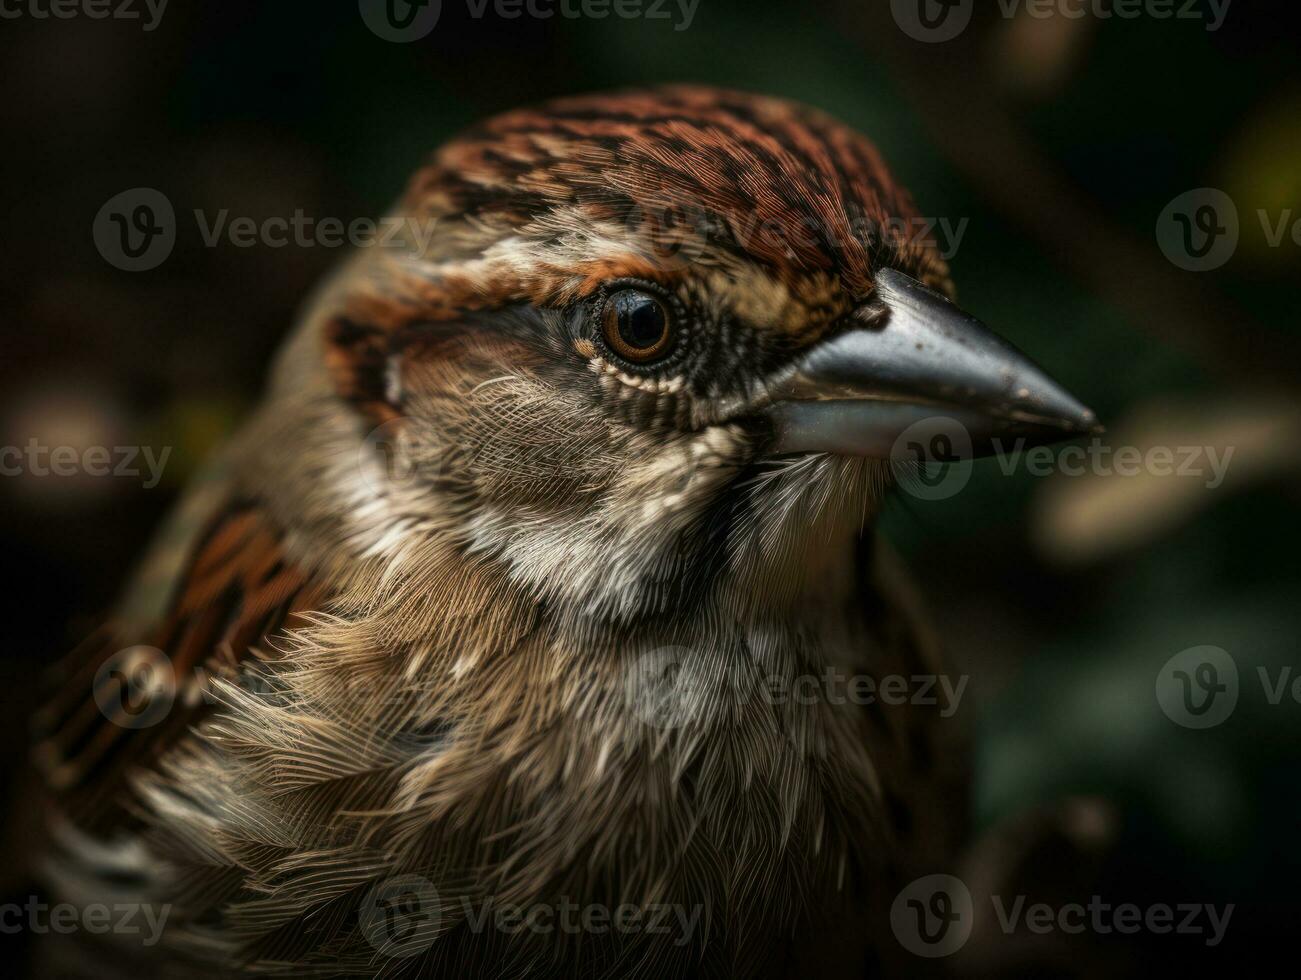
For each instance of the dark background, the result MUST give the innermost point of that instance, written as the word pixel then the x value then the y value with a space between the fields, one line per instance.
pixel 1060 140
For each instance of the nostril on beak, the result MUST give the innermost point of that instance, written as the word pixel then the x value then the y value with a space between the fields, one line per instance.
pixel 871 316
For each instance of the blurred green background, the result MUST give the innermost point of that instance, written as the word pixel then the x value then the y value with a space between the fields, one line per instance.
pixel 1059 141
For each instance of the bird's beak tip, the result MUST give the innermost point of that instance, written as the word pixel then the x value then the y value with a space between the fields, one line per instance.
pixel 923 358
pixel 1091 426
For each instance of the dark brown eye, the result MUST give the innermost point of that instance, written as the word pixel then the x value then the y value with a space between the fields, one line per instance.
pixel 636 325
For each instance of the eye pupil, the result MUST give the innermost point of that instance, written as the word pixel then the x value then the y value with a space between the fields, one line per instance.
pixel 641 320
pixel 636 324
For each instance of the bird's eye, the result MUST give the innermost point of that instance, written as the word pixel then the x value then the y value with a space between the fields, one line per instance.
pixel 636 325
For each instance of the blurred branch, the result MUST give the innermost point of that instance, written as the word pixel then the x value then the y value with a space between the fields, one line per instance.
pixel 1192 456
pixel 949 85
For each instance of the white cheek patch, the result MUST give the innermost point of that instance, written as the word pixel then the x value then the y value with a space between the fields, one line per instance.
pixel 708 463
pixel 597 561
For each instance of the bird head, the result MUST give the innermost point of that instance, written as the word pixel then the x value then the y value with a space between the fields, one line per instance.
pixel 642 346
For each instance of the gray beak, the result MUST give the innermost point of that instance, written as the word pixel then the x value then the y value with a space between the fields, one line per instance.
pixel 922 360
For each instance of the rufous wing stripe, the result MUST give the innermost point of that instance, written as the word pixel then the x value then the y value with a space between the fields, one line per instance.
pixel 239 590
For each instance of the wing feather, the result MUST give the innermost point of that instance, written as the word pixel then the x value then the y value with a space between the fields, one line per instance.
pixel 238 590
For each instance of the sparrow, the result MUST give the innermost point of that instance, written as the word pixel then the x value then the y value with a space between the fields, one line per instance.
pixel 502 639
